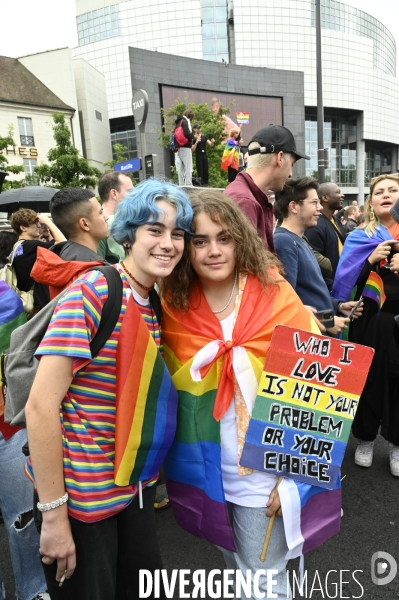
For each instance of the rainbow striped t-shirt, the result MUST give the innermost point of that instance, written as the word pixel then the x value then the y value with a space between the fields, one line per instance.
pixel 87 412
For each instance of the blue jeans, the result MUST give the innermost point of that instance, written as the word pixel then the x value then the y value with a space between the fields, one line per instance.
pixel 249 528
pixel 16 499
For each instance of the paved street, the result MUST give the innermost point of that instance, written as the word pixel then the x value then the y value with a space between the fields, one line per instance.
pixel 370 524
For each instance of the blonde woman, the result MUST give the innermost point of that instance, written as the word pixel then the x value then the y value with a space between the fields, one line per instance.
pixel 367 262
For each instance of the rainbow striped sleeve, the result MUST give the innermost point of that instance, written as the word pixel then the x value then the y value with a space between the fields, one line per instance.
pixel 75 320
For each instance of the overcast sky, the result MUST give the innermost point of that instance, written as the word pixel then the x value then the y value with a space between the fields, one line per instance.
pixel 35 26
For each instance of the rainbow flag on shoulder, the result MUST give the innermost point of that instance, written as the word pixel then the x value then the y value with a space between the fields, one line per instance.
pixel 12 314
pixel 146 403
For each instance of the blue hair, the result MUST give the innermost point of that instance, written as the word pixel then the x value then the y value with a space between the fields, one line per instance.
pixel 139 207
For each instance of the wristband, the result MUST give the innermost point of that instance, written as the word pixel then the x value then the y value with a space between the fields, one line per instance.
pixel 53 504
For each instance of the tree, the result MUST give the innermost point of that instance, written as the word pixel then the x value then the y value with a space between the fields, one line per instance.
pixel 5 142
pixel 213 126
pixel 67 168
pixel 120 152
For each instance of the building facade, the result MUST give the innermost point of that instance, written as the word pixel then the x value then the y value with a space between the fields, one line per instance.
pixel 361 92
pixel 33 87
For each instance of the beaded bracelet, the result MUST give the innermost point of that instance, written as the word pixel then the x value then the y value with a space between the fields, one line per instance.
pixel 53 504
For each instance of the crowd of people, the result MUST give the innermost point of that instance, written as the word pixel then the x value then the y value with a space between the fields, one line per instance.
pixel 206 277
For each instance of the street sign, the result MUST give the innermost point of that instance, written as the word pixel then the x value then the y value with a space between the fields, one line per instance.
pixel 128 166
pixel 140 107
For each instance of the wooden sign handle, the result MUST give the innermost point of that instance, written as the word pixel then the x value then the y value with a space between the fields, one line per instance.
pixel 269 530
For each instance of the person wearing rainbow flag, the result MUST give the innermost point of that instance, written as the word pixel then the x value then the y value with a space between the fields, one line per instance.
pixel 364 264
pixel 220 307
pixel 230 162
pixel 99 427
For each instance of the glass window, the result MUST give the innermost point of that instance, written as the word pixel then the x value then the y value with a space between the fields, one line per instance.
pixel 25 126
pixel 30 164
pixel 221 13
pixel 209 46
pixel 221 29
pixel 207 3
pixel 222 45
pixel 208 30
pixel 223 58
pixel 208 15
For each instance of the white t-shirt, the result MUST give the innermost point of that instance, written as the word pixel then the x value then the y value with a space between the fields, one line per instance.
pixel 246 490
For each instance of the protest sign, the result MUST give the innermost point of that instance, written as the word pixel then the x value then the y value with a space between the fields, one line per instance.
pixel 307 398
pixel 243 118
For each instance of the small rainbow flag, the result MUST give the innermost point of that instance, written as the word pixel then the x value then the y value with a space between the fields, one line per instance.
pixel 12 314
pixel 374 289
pixel 146 403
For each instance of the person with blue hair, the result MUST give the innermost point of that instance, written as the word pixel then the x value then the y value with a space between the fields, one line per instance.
pixel 110 418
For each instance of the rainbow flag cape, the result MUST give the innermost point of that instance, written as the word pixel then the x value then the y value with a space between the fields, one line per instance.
pixel 12 314
pixel 374 289
pixel 230 155
pixel 146 403
pixel 357 248
pixel 193 464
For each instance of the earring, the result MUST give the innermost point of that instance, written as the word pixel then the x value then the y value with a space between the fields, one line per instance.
pixel 372 215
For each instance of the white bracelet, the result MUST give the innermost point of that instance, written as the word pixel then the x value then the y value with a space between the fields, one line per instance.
pixel 53 504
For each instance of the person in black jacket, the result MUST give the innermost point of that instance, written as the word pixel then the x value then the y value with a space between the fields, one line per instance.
pixel 352 214
pixel 201 159
pixel 27 225
pixel 329 235
pixel 184 161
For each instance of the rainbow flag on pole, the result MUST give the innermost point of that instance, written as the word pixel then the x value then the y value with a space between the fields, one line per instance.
pixel 146 403
pixel 374 289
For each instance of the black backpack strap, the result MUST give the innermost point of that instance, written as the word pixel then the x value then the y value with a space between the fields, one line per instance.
pixel 156 305
pixel 111 309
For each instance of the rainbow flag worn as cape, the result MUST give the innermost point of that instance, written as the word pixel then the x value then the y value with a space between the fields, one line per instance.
pixel 374 289
pixel 12 314
pixel 194 340
pixel 146 402
pixel 357 248
pixel 230 155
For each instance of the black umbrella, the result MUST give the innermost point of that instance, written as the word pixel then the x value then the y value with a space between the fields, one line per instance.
pixel 36 197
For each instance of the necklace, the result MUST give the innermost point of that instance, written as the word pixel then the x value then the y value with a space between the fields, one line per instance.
pixel 216 312
pixel 147 289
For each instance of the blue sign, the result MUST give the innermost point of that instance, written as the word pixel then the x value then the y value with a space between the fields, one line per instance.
pixel 128 165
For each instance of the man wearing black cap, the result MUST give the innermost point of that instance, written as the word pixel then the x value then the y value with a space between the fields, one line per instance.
pixel 271 154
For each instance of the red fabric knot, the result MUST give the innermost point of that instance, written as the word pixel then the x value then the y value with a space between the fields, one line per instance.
pixel 229 345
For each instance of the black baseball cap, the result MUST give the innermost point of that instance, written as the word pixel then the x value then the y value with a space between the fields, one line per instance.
pixel 275 138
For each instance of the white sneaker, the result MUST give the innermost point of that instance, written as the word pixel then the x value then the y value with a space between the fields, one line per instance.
pixel 394 459
pixel 364 454
pixel 42 596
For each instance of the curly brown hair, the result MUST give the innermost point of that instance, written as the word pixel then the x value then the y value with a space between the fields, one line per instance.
pixel 23 216
pixel 250 252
